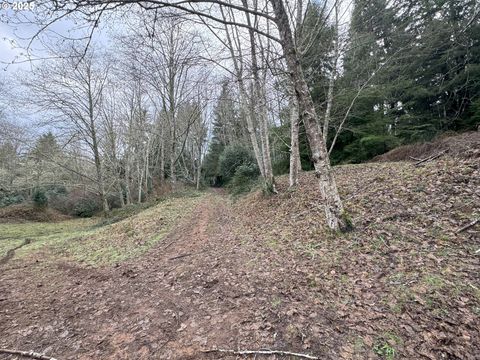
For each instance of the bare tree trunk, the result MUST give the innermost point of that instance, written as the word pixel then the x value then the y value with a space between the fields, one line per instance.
pixel 120 194
pixel 244 101
pixel 100 180
pixel 94 145
pixel 147 167
pixel 173 174
pixel 199 173
pixel 251 130
pixel 295 163
pixel 139 183
pixel 331 82
pixel 334 212
pixel 267 159
pixel 162 155
pixel 259 108
pixel 128 195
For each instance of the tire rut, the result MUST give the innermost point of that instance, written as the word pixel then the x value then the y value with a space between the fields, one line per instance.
pixel 11 252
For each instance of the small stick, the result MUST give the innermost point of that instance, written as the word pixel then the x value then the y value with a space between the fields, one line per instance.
pixel 180 256
pixel 433 157
pixel 263 352
pixel 468 226
pixel 30 354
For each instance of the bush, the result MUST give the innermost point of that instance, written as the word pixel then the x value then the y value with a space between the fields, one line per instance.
pixel 86 207
pixel 244 179
pixel 10 199
pixel 232 157
pixel 39 198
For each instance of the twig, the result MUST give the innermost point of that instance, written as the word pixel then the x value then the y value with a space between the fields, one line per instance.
pixel 30 354
pixel 414 158
pixel 180 256
pixel 262 352
pixel 468 226
pixel 430 158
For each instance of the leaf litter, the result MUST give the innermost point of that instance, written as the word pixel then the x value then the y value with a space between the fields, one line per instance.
pixel 265 273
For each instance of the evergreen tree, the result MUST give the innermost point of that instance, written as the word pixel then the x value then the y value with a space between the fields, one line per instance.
pixel 413 69
pixel 227 129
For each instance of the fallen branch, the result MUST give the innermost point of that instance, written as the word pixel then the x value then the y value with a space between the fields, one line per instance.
pixel 262 352
pixel 414 158
pixel 468 226
pixel 30 354
pixel 430 158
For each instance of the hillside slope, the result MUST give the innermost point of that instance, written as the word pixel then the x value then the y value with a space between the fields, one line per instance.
pixel 404 282
pixel 265 273
pixel 464 146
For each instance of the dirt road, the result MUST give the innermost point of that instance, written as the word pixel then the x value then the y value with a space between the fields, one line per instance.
pixel 190 293
pixel 262 274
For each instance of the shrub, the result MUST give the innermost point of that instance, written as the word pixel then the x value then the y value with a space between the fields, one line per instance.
pixel 10 199
pixel 86 207
pixel 232 157
pixel 375 145
pixel 244 179
pixel 39 198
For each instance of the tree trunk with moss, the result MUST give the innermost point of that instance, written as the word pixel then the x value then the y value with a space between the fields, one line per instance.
pixel 333 205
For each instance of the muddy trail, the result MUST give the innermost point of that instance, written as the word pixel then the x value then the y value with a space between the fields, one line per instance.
pixel 192 292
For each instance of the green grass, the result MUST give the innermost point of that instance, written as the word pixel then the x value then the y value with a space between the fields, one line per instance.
pixel 41 234
pixel 385 345
pixel 135 231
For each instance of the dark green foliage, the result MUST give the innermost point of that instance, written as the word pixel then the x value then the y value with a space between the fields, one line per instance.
pixel 281 150
pixel 228 129
pixel 426 60
pixel 347 222
pixel 55 190
pixel 7 199
pixel 281 165
pixel 39 198
pixel 316 60
pixel 211 171
pixel 86 207
pixel 244 180
pixel 232 157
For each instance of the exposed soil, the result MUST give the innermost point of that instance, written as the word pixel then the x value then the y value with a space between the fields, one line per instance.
pixel 264 273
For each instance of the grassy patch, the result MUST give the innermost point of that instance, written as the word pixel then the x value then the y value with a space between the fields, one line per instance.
pixel 433 282
pixel 386 345
pixel 41 234
pixel 135 230
pixel 276 301
pixel 132 236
